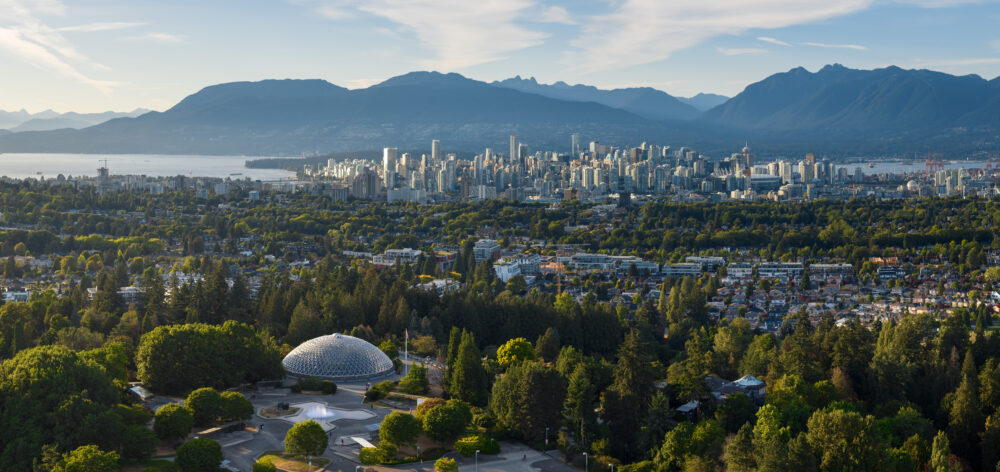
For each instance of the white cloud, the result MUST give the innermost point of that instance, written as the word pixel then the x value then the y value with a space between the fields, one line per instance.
pixel 742 51
pixel 24 34
pixel 556 14
pixel 644 31
pixel 856 47
pixel 459 33
pixel 95 27
pixel 767 39
pixel 333 13
pixel 162 37
pixel 40 56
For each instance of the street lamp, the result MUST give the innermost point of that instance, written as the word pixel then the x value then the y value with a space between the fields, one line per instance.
pixel 546 436
pixel 586 462
pixel 477 460
pixel 612 467
pixel 418 455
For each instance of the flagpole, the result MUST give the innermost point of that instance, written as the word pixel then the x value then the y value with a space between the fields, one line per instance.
pixel 406 352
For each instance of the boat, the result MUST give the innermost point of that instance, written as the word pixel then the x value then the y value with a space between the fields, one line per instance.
pixel 871 165
pixel 236 173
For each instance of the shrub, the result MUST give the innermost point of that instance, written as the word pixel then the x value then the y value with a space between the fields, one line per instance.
pixel 377 455
pixel 379 391
pixel 329 387
pixel 644 466
pixel 445 464
pixel 426 405
pixel 369 456
pixel 310 384
pixel 483 419
pixel 265 464
pixel 468 445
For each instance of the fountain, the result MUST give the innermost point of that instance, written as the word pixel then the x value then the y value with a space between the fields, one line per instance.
pixel 316 411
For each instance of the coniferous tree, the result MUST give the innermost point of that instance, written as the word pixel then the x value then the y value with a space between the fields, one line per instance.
pixel 741 456
pixel 991 443
pixel 941 459
pixel 547 345
pixel 469 382
pixel 578 409
pixel 153 298
pixel 454 339
pixel 965 419
pixel 625 402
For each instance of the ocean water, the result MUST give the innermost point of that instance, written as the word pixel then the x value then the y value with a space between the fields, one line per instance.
pixel 18 165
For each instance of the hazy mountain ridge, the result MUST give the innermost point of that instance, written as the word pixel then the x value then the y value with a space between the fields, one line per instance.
pixel 705 101
pixel 646 102
pixel 22 120
pixel 838 99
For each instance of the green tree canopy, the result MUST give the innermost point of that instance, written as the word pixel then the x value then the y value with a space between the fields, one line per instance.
pixel 199 455
pixel 399 428
pixel 89 458
pixel 306 438
pixel 206 405
pixel 514 352
pixel 173 421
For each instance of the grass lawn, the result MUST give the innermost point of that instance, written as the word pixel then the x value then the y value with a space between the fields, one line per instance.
pixel 294 463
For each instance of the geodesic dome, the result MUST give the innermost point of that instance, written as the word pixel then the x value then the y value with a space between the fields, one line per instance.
pixel 337 357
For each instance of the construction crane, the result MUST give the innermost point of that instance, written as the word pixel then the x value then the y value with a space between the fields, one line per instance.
pixel 934 162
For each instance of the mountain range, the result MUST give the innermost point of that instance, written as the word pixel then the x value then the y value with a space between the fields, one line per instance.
pixel 836 111
pixel 22 120
pixel 646 102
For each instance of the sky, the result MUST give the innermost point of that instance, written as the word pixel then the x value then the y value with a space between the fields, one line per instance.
pixel 98 55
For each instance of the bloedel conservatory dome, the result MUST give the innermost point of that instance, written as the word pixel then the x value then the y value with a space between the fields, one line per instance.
pixel 337 357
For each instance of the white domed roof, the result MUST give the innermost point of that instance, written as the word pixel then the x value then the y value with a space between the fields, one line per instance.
pixel 337 357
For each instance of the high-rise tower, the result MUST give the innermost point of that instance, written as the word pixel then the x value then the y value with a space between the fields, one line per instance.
pixel 514 150
pixel 435 151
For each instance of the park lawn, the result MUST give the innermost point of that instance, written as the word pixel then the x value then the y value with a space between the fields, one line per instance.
pixel 294 463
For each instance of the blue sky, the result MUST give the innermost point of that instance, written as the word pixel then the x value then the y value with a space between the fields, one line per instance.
pixel 96 55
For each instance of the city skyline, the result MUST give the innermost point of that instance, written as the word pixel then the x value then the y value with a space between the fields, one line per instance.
pixel 98 55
